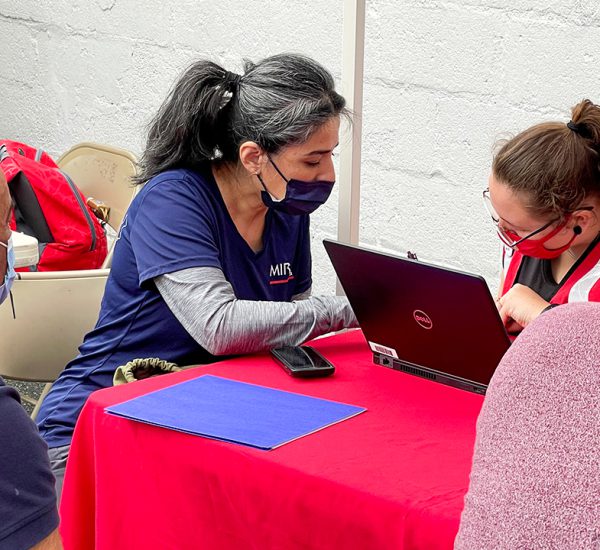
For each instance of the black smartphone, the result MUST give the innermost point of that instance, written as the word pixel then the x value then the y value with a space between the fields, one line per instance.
pixel 303 361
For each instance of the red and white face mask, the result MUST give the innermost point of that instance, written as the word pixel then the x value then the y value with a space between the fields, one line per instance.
pixel 527 245
pixel 535 247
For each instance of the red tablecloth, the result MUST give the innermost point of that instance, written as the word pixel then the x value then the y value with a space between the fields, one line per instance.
pixel 392 477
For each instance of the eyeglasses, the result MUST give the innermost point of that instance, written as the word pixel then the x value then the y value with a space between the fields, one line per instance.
pixel 508 237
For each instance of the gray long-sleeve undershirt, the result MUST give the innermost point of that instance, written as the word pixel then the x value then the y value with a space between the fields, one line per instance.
pixel 204 302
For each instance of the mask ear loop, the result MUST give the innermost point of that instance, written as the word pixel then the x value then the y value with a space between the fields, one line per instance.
pixel 12 304
pixel 278 170
pixel 263 183
pixel 257 174
pixel 577 229
pixel 273 197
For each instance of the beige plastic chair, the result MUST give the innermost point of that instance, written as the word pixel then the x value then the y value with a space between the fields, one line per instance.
pixel 54 310
pixel 104 173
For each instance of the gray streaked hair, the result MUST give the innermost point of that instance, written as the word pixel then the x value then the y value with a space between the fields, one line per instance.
pixel 279 101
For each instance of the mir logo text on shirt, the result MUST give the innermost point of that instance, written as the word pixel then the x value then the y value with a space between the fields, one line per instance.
pixel 280 273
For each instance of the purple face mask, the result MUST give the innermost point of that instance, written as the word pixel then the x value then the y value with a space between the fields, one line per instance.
pixel 301 197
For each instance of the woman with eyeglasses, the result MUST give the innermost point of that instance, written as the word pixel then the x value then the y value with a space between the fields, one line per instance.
pixel 544 198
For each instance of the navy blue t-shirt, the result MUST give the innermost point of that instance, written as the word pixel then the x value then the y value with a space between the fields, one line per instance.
pixel 28 511
pixel 177 221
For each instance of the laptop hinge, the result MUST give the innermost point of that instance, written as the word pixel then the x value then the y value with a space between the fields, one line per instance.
pixel 429 374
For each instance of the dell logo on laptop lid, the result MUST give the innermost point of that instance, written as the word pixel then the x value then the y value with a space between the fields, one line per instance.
pixel 422 319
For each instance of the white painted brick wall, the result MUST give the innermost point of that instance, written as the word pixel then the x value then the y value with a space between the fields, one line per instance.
pixel 443 80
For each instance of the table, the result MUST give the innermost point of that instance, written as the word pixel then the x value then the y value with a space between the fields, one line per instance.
pixel 392 477
pixel 26 249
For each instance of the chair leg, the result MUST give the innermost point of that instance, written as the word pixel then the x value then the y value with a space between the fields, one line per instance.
pixel 44 393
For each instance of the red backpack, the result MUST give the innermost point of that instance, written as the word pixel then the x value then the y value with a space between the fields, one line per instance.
pixel 49 207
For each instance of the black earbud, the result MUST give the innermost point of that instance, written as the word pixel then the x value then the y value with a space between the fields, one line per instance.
pixel 577 230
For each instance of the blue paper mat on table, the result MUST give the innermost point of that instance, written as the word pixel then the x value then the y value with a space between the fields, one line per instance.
pixel 233 411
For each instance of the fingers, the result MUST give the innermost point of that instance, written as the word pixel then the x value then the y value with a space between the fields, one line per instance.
pixel 512 327
pixel 502 310
pixel 509 323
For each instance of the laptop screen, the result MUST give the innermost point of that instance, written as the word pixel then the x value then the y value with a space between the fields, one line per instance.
pixel 422 315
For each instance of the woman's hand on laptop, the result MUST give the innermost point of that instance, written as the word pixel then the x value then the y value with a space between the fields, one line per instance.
pixel 520 305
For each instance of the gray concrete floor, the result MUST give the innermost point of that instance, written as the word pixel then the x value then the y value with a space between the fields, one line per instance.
pixel 32 389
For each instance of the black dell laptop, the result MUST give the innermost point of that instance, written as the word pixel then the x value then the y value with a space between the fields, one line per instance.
pixel 427 320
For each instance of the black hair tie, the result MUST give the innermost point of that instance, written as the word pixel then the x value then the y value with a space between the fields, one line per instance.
pixel 232 81
pixel 577 128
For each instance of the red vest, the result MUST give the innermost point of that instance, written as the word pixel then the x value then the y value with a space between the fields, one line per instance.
pixel 583 285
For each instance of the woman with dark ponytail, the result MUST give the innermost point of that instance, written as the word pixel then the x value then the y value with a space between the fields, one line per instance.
pixel 213 257
pixel 544 198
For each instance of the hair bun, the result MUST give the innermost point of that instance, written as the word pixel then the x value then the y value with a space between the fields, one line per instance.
pixel 585 121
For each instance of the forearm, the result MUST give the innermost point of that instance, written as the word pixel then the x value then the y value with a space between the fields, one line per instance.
pixel 204 303
pixel 51 542
pixel 303 295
